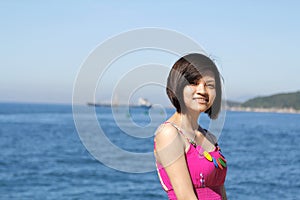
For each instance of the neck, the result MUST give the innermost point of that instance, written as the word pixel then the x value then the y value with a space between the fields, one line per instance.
pixel 187 121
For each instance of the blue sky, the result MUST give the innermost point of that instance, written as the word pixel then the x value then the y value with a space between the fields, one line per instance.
pixel 44 44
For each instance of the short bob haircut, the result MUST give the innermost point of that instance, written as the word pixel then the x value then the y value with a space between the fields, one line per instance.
pixel 187 70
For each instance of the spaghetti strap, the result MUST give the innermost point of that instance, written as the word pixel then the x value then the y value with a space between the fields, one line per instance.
pixel 175 126
pixel 192 142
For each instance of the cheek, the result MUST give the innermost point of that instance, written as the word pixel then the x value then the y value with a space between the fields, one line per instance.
pixel 212 95
pixel 188 90
pixel 187 94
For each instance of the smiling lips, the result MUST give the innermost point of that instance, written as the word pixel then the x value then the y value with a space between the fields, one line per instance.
pixel 201 100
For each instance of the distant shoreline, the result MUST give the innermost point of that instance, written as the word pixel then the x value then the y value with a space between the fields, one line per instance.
pixel 228 108
pixel 263 110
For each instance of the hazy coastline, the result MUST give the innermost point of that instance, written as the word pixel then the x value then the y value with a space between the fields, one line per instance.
pixel 273 110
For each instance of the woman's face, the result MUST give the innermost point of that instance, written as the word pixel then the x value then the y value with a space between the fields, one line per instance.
pixel 200 96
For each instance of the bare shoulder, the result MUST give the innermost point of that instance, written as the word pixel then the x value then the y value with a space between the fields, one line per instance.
pixel 169 145
pixel 164 134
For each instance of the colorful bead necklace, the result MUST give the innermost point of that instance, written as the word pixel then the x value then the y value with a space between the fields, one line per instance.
pixel 218 163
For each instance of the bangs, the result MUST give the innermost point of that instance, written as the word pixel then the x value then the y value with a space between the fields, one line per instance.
pixel 194 74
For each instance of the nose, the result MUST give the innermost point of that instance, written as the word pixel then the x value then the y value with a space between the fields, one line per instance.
pixel 201 89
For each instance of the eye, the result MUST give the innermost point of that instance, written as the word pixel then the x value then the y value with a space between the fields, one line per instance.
pixel 195 82
pixel 211 86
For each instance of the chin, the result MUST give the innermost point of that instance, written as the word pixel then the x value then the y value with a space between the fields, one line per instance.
pixel 200 108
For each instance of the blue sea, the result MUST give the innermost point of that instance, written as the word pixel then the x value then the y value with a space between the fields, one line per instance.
pixel 43 157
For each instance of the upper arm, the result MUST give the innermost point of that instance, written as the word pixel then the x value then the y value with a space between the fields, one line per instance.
pixel 170 151
pixel 169 145
pixel 180 179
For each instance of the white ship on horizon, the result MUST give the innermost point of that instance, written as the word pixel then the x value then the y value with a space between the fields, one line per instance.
pixel 142 103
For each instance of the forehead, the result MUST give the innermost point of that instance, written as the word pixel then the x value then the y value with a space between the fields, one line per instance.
pixel 207 75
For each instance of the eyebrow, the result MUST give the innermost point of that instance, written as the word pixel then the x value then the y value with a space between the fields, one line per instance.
pixel 210 81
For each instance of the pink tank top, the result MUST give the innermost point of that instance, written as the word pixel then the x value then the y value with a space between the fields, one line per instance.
pixel 207 171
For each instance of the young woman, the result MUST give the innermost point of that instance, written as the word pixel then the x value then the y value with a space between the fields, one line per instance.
pixel 189 161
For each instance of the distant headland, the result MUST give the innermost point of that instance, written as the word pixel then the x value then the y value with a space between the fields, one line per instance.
pixel 280 103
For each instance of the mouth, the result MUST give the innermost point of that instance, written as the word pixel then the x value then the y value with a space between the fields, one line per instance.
pixel 201 100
